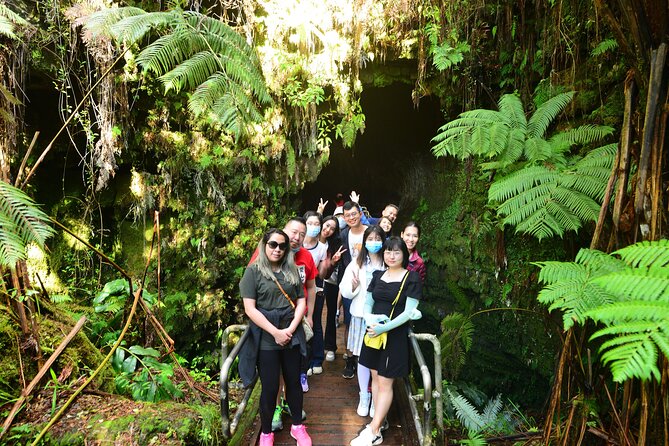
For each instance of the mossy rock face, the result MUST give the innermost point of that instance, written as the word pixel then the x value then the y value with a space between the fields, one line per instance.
pixel 80 355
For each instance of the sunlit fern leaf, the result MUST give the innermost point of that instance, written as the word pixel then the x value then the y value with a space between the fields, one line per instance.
pixel 21 223
pixel 100 23
pixel 9 20
pixel 631 356
pixel 646 254
pixel 650 284
pixel 197 53
pixel 474 439
pixel 546 114
pixel 191 73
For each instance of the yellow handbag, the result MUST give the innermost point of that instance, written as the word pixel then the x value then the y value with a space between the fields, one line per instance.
pixel 379 342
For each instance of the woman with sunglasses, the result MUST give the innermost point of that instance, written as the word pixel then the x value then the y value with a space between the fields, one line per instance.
pixel 392 301
pixel 273 298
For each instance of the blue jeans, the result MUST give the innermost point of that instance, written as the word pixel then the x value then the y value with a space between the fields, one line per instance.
pixel 317 346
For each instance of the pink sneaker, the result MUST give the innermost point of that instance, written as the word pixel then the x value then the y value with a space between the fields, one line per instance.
pixel 299 433
pixel 267 439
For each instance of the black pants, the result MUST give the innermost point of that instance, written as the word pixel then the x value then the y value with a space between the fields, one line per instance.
pixel 270 363
pixel 331 292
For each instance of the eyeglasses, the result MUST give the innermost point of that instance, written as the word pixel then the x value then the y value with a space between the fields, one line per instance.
pixel 393 253
pixel 273 245
pixel 351 215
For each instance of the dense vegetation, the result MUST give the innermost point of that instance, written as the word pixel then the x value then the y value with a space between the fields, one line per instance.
pixel 163 138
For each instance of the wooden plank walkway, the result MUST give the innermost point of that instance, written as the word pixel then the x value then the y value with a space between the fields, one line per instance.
pixel 331 406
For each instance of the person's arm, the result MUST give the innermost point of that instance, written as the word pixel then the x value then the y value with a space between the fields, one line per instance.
pixel 300 309
pixel 349 287
pixel 405 316
pixel 281 337
pixel 311 300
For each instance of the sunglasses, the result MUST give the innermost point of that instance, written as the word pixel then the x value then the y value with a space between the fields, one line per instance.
pixel 273 245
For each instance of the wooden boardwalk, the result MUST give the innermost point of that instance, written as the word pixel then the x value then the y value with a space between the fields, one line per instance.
pixel 331 406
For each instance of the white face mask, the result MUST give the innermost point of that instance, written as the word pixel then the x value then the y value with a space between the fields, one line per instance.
pixel 313 231
pixel 342 222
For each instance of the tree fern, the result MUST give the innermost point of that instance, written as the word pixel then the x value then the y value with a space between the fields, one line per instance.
pixel 8 22
pixel 538 189
pixel 195 53
pixel 629 296
pixel 21 223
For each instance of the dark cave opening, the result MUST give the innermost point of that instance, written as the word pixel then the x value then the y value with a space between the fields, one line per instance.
pixel 397 135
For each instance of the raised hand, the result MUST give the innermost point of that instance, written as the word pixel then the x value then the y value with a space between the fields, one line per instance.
pixel 321 206
pixel 355 197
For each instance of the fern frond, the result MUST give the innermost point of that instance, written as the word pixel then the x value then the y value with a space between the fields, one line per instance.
pixel 546 114
pixel 599 261
pixel 604 46
pixel 511 107
pixel 22 223
pixel 135 26
pixel 520 181
pixel 646 254
pixel 584 134
pixel 191 73
pixel 467 414
pixel 100 23
pixel 631 356
pixel 649 284
pixel 491 410
pixel 553 272
pixel 635 310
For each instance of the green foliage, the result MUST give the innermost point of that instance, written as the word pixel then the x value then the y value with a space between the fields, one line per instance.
pixel 492 419
pixel 142 375
pixel 352 123
pixel 21 223
pixel 456 335
pixel 198 54
pixel 604 47
pixel 538 189
pixel 448 53
pixel 9 20
pixel 629 296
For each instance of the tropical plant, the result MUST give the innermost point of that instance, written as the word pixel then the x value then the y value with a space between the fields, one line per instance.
pixel 629 295
pixel 8 21
pixel 492 419
pixel 538 188
pixel 21 223
pixel 195 53
pixel 142 375
pixel 456 339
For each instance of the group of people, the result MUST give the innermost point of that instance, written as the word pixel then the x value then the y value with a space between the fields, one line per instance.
pixel 345 260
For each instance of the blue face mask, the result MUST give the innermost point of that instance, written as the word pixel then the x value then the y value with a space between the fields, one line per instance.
pixel 313 231
pixel 295 250
pixel 373 247
pixel 342 222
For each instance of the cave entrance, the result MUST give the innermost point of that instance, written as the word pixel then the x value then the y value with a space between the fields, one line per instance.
pixel 396 140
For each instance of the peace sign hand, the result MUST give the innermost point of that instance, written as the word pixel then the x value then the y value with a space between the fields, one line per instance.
pixel 321 206
pixel 337 255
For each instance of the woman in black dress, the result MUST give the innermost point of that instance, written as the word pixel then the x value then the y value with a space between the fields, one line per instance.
pixel 392 301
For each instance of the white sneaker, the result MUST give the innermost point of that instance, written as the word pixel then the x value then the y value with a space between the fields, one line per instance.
pixel 367 438
pixel 371 409
pixel 310 371
pixel 316 370
pixel 330 356
pixel 363 405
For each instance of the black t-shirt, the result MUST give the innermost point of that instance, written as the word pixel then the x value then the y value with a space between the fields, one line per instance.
pixel 384 293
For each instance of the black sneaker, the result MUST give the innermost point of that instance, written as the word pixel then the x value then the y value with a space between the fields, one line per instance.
pixel 349 370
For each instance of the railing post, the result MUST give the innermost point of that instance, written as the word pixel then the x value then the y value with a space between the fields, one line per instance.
pixel 226 365
pixel 424 428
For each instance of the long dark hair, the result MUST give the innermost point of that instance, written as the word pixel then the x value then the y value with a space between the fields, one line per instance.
pixel 334 241
pixel 394 243
pixel 374 229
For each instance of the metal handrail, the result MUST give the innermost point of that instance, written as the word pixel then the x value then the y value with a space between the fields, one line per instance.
pixel 424 423
pixel 230 426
